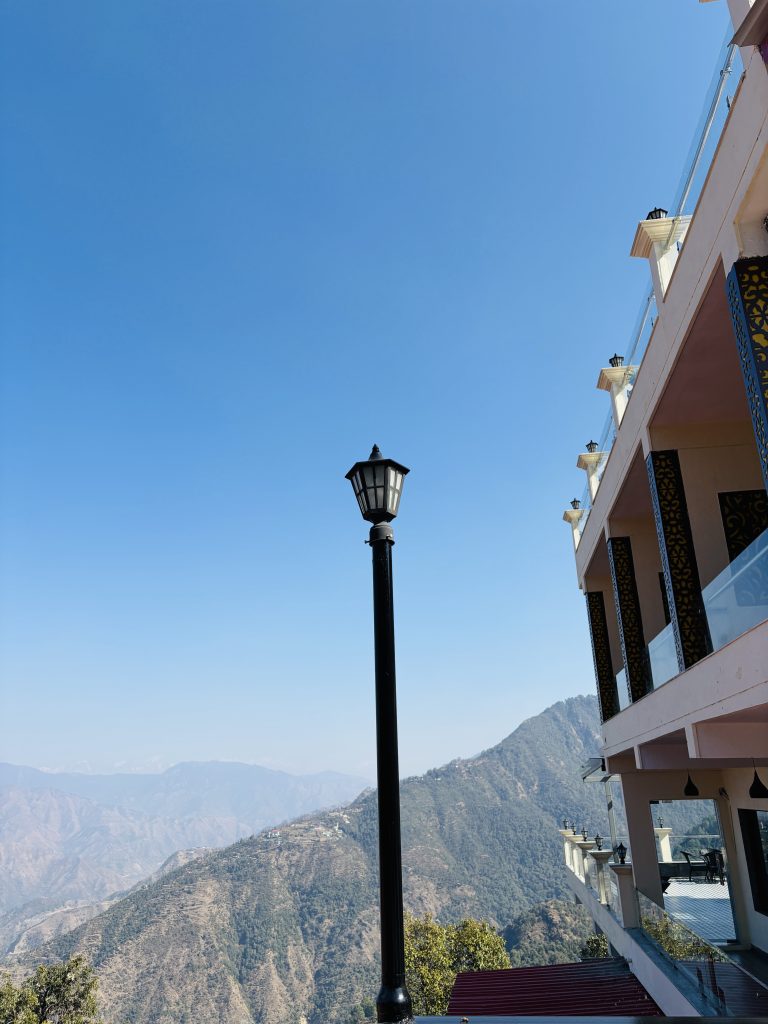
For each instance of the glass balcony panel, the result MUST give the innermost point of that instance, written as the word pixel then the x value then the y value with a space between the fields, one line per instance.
pixel 621 686
pixel 663 657
pixel 737 599
pixel 720 982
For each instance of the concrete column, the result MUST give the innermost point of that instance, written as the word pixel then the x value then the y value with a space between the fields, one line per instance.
pixel 601 858
pixel 678 558
pixel 657 240
pixel 665 847
pixel 638 791
pixel 629 617
pixel 566 833
pixel 627 908
pixel 576 860
pixel 613 379
pixel 573 516
pixel 584 846
pixel 590 463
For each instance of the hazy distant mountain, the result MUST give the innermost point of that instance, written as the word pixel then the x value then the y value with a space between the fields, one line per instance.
pixel 22 930
pixel 283 927
pixel 220 789
pixel 76 839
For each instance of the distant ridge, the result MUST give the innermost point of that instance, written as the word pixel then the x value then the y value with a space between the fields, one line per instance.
pixel 70 839
pixel 282 926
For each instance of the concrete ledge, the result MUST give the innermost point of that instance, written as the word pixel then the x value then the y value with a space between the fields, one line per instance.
pixel 670 989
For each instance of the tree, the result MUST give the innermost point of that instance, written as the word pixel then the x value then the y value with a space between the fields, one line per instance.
pixel 436 953
pixel 17 1005
pixel 595 946
pixel 63 993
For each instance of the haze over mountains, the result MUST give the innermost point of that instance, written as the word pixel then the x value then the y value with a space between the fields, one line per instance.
pixel 70 839
pixel 283 927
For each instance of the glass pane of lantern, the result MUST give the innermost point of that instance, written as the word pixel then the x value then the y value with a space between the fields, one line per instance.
pixel 380 475
pixel 368 471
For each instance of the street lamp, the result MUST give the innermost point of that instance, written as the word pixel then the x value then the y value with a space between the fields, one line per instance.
pixel 378 487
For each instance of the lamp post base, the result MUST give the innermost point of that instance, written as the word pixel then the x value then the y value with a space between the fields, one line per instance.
pixel 393 1005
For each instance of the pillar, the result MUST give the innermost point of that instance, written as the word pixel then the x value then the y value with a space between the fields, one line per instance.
pixel 601 858
pixel 678 558
pixel 627 908
pixel 630 621
pixel 665 847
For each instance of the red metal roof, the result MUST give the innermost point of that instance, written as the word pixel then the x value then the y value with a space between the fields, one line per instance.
pixel 604 988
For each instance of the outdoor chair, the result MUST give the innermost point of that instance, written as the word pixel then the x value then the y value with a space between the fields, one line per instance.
pixel 696 865
pixel 715 866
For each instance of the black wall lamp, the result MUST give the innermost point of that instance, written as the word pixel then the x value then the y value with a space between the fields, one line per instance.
pixel 691 789
pixel 757 791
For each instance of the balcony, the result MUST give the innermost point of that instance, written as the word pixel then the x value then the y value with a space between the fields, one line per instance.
pixel 687 974
pixel 735 601
pixel 703 148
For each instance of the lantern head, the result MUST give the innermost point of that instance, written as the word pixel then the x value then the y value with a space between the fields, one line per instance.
pixel 378 487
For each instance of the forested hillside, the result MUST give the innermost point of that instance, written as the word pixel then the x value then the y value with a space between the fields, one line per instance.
pixel 284 926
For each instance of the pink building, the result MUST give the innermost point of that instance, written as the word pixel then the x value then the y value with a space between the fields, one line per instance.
pixel 671 548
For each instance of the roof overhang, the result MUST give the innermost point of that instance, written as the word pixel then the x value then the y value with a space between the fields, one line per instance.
pixel 754 29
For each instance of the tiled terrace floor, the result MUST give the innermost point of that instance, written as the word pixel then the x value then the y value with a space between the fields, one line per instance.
pixel 702 906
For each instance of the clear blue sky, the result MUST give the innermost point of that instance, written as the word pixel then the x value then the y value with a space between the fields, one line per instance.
pixel 242 241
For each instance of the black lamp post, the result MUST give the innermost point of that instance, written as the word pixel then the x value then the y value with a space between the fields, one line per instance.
pixel 378 486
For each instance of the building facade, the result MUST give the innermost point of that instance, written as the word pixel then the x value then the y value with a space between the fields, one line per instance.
pixel 671 549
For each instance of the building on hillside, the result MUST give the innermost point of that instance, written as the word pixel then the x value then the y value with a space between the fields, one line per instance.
pixel 671 548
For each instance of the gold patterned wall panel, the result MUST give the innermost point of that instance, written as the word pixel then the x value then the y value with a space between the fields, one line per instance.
pixel 678 558
pixel 748 300
pixel 745 518
pixel 607 694
pixel 629 617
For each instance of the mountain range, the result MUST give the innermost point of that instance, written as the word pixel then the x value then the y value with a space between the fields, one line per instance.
pixel 70 840
pixel 283 927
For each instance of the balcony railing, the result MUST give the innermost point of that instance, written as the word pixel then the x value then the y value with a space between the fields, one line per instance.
pixel 735 601
pixel 722 985
pixel 702 150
